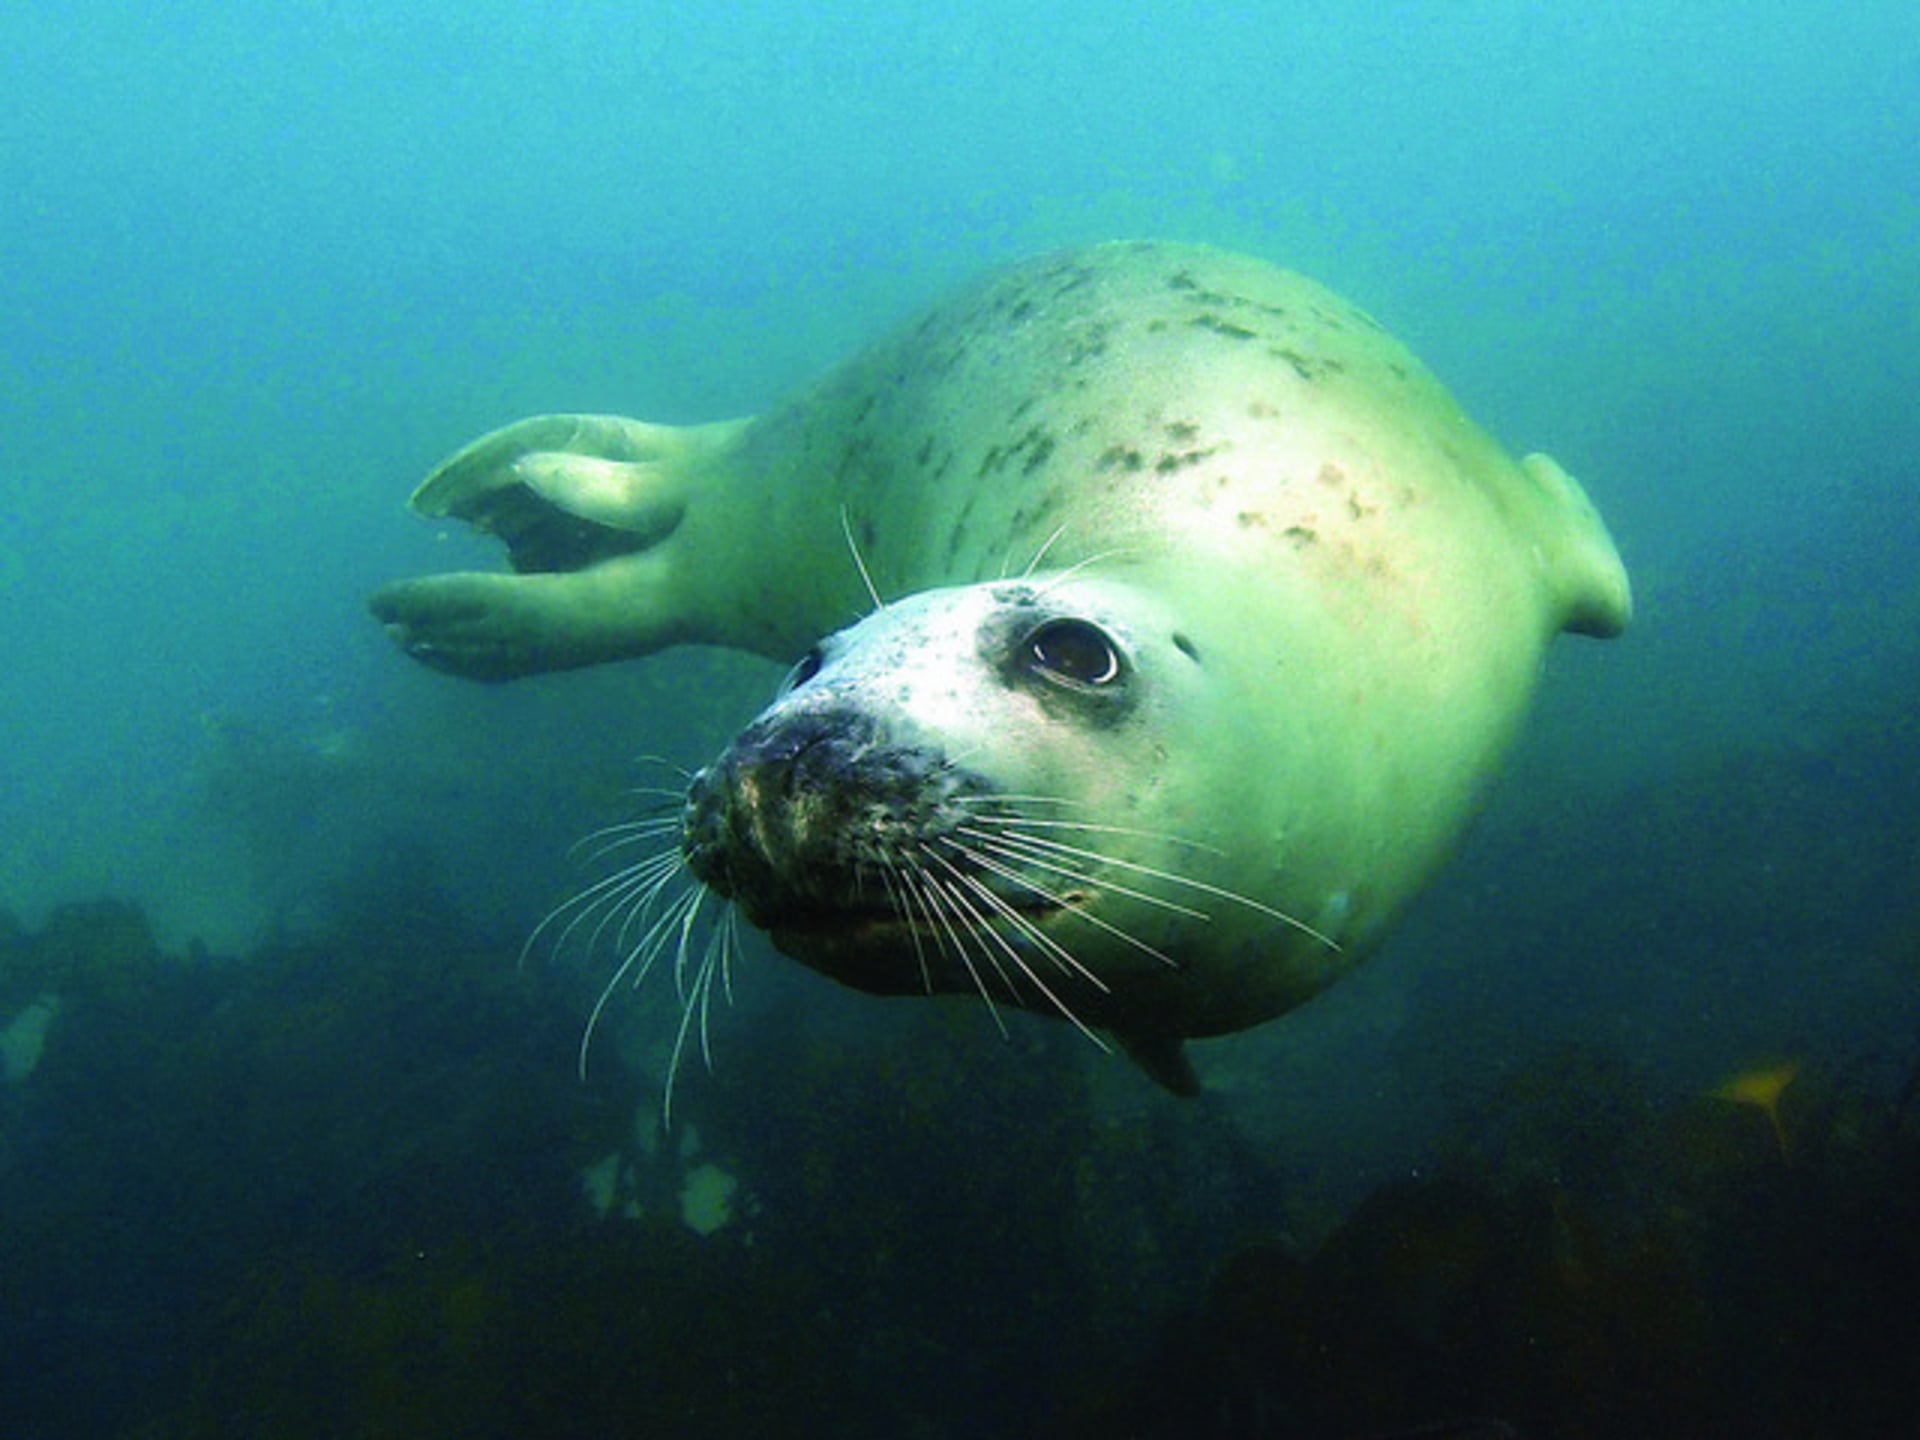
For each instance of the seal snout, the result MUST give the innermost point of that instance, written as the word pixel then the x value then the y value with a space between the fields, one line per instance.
pixel 803 812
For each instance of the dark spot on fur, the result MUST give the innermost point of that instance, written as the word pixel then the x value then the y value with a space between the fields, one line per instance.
pixel 1090 344
pixel 926 453
pixel 1179 460
pixel 1251 520
pixel 1119 457
pixel 1301 535
pixel 1042 448
pixel 1302 366
pixel 1186 647
pixel 1227 328
pixel 1182 280
pixel 1182 431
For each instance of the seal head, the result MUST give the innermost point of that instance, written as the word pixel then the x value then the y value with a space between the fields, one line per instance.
pixel 974 790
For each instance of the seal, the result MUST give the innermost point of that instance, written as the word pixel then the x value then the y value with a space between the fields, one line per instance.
pixel 1199 616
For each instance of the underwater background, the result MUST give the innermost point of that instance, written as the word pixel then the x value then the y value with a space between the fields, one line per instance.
pixel 1618 1135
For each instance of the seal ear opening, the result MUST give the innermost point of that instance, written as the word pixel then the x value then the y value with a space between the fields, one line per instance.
pixel 1164 1058
pixel 1583 565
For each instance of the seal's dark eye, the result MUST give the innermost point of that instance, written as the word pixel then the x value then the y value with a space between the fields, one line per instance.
pixel 804 670
pixel 1074 651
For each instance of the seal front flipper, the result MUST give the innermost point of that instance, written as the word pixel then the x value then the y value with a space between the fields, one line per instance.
pixel 1164 1058
pixel 1589 582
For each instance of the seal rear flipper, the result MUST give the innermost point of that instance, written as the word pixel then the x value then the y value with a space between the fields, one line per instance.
pixel 1586 572
pixel 1164 1058
pixel 569 491
pixel 499 627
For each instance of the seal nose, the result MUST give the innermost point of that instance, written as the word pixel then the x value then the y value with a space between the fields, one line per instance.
pixel 801 811
pixel 767 816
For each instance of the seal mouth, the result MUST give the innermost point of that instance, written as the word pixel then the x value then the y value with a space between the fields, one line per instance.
pixel 867 922
pixel 888 949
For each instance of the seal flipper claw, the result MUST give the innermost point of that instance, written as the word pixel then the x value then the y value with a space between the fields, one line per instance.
pixel 1164 1058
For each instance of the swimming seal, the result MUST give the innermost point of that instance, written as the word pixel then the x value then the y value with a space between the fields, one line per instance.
pixel 1199 618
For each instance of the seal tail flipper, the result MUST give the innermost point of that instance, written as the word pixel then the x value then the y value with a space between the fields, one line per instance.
pixel 1164 1058
pixel 1584 567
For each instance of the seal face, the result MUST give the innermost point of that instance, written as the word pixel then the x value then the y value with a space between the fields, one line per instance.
pixel 1282 606
pixel 881 800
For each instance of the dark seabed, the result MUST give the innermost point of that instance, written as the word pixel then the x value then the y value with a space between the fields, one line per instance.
pixel 1619 1136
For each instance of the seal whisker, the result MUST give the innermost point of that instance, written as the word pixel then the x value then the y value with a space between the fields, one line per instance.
pixel 1038 555
pixel 936 896
pixel 639 907
pixel 934 903
pixel 712 965
pixel 608 893
pixel 1032 852
pixel 1054 582
pixel 1020 824
pixel 638 832
pixel 1171 877
pixel 731 925
pixel 859 562
pixel 897 900
pixel 661 799
pixel 668 795
pixel 1080 912
pixel 694 1000
pixel 1062 957
pixel 649 826
pixel 994 938
pixel 639 959
pixel 640 884
pixel 1003 797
